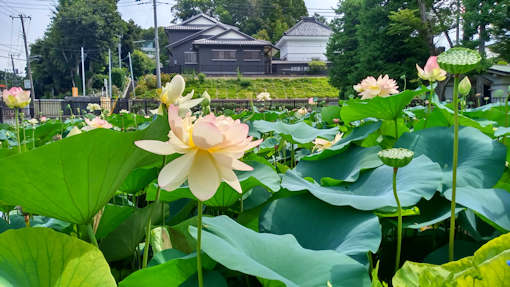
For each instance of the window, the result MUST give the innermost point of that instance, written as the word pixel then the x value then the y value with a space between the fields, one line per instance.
pixel 190 57
pixel 251 55
pixel 224 55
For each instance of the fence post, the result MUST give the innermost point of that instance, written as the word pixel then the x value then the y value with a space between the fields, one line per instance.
pixel 145 106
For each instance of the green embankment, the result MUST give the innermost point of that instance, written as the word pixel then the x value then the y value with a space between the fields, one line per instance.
pixel 232 88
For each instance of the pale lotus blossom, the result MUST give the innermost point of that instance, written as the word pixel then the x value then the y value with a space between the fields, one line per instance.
pixel 16 97
pixel 264 96
pixel 301 112
pixel 74 131
pixel 123 111
pixel 33 121
pixel 431 72
pixel 211 148
pixel 321 144
pixel 96 123
pixel 371 88
pixel 93 107
pixel 171 94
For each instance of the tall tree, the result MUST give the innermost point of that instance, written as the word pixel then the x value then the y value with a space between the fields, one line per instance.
pixel 365 43
pixel 92 24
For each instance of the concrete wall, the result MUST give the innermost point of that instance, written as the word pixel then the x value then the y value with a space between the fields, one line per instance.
pixel 303 49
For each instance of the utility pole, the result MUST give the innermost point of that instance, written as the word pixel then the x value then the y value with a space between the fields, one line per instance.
pixel 110 72
pixel 21 17
pixel 131 71
pixel 13 69
pixel 156 43
pixel 119 47
pixel 83 72
pixel 5 78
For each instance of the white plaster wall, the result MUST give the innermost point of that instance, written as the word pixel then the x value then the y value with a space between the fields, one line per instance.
pixel 304 49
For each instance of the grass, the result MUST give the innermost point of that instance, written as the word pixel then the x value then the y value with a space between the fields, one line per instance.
pixel 278 88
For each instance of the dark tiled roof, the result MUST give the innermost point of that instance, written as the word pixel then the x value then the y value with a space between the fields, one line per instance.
pixel 309 26
pixel 232 42
pixel 187 27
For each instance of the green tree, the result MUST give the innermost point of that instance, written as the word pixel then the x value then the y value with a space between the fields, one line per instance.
pixel 142 64
pixel 92 24
pixel 364 43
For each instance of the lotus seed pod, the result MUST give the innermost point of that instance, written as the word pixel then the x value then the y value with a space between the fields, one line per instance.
pixel 396 157
pixel 465 86
pixel 459 60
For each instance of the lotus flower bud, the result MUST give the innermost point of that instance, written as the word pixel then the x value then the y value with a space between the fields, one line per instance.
pixel 465 86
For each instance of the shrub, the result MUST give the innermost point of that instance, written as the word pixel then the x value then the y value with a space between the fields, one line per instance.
pixel 317 67
pixel 140 89
pixel 150 81
pixel 98 82
pixel 166 78
pixel 142 64
pixel 201 78
pixel 119 77
pixel 244 83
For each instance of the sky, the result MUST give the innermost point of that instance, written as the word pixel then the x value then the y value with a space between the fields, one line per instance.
pixel 40 11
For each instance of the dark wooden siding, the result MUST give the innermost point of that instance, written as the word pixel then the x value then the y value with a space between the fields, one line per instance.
pixel 209 65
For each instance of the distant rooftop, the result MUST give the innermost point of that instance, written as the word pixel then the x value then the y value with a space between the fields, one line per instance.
pixel 503 69
pixel 309 26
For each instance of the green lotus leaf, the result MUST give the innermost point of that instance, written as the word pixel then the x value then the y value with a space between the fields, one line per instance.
pixel 492 204
pixel 481 160
pixel 46 258
pixel 487 267
pixel 345 166
pixel 276 259
pixel 374 189
pixel 329 113
pixel 459 60
pixel 320 226
pixel 297 133
pixel 171 268
pixel 73 178
pixel 358 133
pixel 431 212
pixel 113 215
pixel 388 108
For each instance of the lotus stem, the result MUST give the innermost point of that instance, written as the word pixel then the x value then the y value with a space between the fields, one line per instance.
pixel 399 224
pixel 149 223
pixel 292 156
pixel 16 113
pixel 33 136
pixel 454 164
pixel 24 132
pixel 506 110
pixel 199 241
pixel 431 96
pixel 92 235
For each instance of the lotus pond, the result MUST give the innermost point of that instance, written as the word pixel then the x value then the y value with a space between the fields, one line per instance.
pixel 370 192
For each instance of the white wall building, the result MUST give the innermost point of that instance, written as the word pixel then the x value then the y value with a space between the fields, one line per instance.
pixel 305 41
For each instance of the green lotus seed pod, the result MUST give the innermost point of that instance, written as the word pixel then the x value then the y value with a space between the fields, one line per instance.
pixel 396 157
pixel 459 60
pixel 465 86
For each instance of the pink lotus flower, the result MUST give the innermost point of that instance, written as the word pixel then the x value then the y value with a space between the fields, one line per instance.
pixel 311 101
pixel 371 88
pixel 16 97
pixel 432 72
pixel 43 119
pixel 211 148
pixel 96 123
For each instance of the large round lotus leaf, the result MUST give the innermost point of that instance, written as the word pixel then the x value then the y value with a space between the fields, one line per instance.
pixel 297 133
pixel 481 159
pixel 279 259
pixel 320 226
pixel 459 60
pixel 492 204
pixel 73 178
pixel 45 258
pixel 345 166
pixel 488 267
pixel 358 133
pixel 374 189
pixel 388 108
pixel 431 212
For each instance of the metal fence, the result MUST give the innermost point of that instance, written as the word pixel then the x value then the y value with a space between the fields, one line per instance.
pixel 53 108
